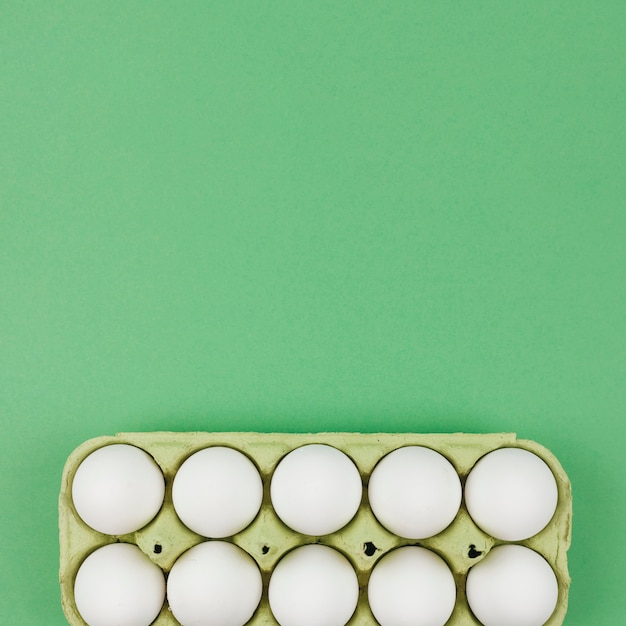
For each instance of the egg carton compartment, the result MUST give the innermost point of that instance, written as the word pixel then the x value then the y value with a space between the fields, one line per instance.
pixel 364 541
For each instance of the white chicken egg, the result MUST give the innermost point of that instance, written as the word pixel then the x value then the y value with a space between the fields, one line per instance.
pixel 118 489
pixel 313 585
pixel 511 494
pixel 215 583
pixel 415 492
pixel 217 492
pixel 316 489
pixel 411 585
pixel 118 584
pixel 512 586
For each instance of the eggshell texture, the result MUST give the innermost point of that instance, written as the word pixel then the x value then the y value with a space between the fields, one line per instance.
pixel 313 585
pixel 511 494
pixel 411 585
pixel 217 492
pixel 415 492
pixel 512 586
pixel 215 583
pixel 316 489
pixel 118 584
pixel 118 489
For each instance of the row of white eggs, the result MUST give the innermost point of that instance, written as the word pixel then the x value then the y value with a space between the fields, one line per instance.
pixel 316 490
pixel 217 583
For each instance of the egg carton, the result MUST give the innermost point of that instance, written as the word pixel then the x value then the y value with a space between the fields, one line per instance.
pixel 363 541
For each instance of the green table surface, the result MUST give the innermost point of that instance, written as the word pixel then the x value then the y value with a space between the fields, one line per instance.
pixel 307 216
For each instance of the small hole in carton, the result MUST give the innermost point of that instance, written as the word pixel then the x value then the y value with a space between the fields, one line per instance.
pixel 369 548
pixel 473 553
pixel 158 548
pixel 265 549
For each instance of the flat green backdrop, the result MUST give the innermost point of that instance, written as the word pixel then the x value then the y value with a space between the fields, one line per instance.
pixel 305 216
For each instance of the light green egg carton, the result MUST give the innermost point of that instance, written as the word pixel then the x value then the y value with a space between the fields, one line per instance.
pixel 363 541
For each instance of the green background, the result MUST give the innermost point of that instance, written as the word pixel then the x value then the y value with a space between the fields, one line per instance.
pixel 305 216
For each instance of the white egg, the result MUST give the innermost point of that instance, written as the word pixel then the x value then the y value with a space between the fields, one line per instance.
pixel 118 584
pixel 316 489
pixel 511 494
pixel 313 585
pixel 411 585
pixel 118 489
pixel 512 586
pixel 215 583
pixel 415 492
pixel 217 492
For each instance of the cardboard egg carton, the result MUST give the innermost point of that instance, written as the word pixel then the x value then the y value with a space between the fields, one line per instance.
pixel 363 541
